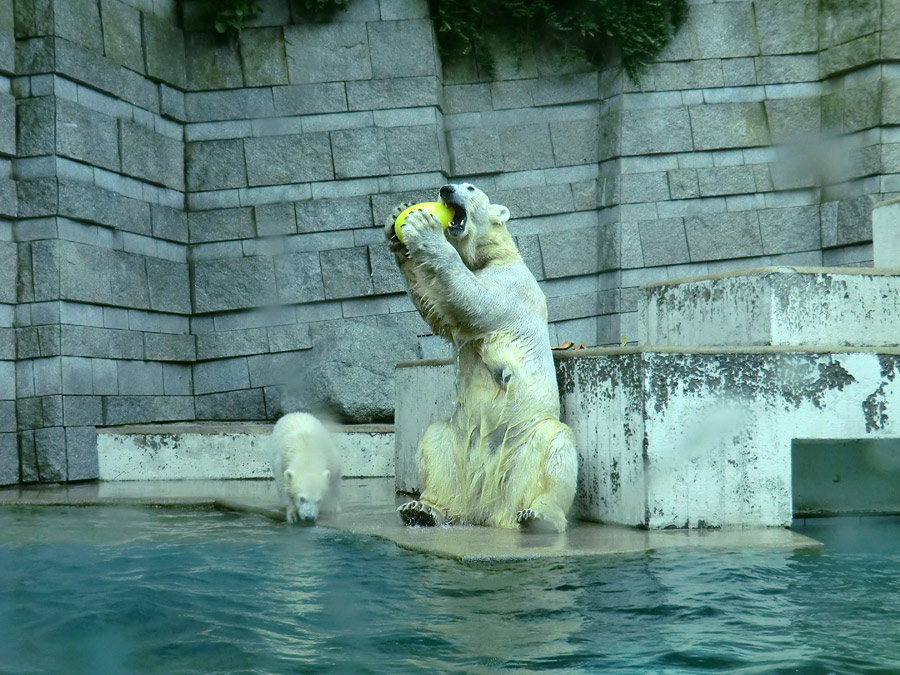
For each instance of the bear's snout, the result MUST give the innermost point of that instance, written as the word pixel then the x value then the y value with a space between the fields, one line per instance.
pixel 446 192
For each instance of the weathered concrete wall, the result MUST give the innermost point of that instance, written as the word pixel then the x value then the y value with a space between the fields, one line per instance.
pixel 774 306
pixel 191 217
pixel 689 438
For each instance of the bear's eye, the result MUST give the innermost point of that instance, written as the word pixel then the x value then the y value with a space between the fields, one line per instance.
pixel 471 188
pixel 302 500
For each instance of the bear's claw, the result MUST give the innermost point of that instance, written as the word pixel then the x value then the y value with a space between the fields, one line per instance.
pixel 416 514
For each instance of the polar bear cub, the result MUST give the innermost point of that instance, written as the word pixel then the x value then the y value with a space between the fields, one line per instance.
pixel 306 467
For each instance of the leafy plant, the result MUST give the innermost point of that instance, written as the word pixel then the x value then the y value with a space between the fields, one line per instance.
pixel 232 15
pixel 587 29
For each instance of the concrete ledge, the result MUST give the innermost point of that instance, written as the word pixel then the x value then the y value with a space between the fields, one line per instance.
pixel 232 450
pixel 369 509
pixel 774 306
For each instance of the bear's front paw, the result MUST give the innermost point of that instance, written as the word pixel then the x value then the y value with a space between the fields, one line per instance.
pixel 530 520
pixel 416 514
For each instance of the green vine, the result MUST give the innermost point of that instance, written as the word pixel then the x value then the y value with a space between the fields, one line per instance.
pixel 578 29
pixel 232 15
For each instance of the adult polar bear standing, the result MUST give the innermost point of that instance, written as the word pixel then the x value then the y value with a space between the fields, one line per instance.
pixel 503 458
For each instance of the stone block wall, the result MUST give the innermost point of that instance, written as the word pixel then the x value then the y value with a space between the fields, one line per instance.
pixel 192 222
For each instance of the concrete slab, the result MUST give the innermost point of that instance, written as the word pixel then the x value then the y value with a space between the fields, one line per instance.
pixel 225 451
pixel 369 509
pixel 791 306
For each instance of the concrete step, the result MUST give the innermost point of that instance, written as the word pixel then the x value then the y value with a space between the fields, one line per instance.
pixel 226 450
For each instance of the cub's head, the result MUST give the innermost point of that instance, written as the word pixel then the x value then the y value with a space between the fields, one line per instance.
pixel 478 230
pixel 307 489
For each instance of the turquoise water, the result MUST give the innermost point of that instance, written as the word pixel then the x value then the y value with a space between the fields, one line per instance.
pixel 144 590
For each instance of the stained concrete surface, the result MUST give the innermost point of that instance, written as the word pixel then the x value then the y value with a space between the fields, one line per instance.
pixel 369 509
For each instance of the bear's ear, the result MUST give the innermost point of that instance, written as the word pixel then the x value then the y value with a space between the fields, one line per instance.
pixel 288 475
pixel 326 474
pixel 498 214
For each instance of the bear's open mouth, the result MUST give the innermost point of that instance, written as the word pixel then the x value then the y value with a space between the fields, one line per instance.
pixel 458 224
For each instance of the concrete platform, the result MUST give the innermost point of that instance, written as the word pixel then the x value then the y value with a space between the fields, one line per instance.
pixel 226 451
pixel 369 509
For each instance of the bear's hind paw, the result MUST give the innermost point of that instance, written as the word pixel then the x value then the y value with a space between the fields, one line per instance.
pixel 416 514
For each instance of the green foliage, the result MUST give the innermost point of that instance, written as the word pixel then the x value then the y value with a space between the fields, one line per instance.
pixel 321 10
pixel 585 29
pixel 232 15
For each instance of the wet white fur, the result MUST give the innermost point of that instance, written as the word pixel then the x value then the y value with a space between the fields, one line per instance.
pixel 504 449
pixel 306 467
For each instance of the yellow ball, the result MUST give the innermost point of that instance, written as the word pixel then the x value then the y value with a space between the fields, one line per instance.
pixel 443 212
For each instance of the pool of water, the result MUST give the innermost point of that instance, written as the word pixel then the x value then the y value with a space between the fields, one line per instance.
pixel 190 590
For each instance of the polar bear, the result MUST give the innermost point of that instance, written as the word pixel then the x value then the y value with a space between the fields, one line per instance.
pixel 503 458
pixel 306 467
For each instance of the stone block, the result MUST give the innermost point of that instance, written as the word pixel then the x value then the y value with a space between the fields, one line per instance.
pixel 415 57
pixel 386 277
pixel 169 347
pixel 81 453
pixel 550 199
pixel 346 272
pixel 151 156
pixel 120 410
pixel 724 30
pixel 33 17
pixel 169 286
pixel 140 378
pixel 850 55
pixel 82 65
pixel 45 270
pixel 463 98
pixel 787 27
pixel 86 135
pixel 526 147
pixel 787 68
pixel 729 125
pixel 683 183
pixel 843 22
pixel 321 215
pixel 886 234
pixel 79 21
pixel 221 375
pixel 225 344
pixel 289 338
pixel 791 120
pixel 275 219
pixel 248 404
pixel 663 242
pixel 81 411
pixel 76 375
pixel 413 149
pixel 854 220
pixel 571 252
pixel 50 454
pixel 238 104
pixel 394 93
pixel 359 152
pixel 299 277
pixel 278 160
pixel 790 229
pixel 263 57
pixel 327 52
pixel 35 126
pixel 7 124
pixel 233 284
pixel 215 165
pixel 643 187
pixel 723 235
pixel 726 180
pixel 575 141
pixel 655 131
pixel 165 54
pixel 211 62
pixel 122 34
pixel 9 459
pixel 310 99
pixel 169 223
pixel 739 72
pixel 221 225
pixel 474 151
